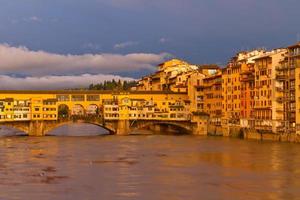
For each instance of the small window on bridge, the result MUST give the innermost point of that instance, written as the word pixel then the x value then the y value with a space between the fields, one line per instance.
pixel 78 98
pixel 93 98
pixel 49 102
pixel 63 97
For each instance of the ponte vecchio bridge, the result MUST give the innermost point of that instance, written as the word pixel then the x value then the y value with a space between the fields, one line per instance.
pixel 38 112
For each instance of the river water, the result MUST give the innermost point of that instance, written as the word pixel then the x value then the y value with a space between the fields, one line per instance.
pixel 148 167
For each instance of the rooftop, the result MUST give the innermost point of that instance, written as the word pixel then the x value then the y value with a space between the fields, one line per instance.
pixel 294 45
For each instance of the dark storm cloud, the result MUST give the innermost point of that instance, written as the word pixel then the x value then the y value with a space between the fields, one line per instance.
pixel 70 33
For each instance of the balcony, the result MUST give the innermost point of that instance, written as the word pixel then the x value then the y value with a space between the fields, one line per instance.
pixel 200 100
pixel 155 79
pixel 199 86
pixel 264 128
pixel 281 68
pixel 279 89
pixel 292 54
pixel 292 76
pixel 292 98
pixel 280 110
pixel 292 66
pixel 281 77
pixel 247 78
pixel 280 129
pixel 280 99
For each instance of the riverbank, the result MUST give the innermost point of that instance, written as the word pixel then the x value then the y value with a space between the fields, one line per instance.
pixel 251 134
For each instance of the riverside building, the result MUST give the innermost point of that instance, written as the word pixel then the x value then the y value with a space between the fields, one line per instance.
pixel 269 98
pixel 258 90
pixel 293 107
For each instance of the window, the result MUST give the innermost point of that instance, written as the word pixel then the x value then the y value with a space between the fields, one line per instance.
pixel 63 97
pixel 78 98
pixel 93 98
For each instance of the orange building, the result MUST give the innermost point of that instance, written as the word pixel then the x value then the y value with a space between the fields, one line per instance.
pixel 247 96
pixel 212 90
pixel 237 89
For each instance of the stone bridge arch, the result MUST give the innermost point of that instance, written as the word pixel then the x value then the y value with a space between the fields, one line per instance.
pixel 93 109
pixel 41 128
pixel 184 127
pixel 78 110
pixel 19 126
pixel 50 126
pixel 118 127
pixel 63 111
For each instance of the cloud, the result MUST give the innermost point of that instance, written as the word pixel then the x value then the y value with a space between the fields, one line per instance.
pixel 136 4
pixel 125 45
pixel 92 46
pixel 54 82
pixel 22 61
pixel 33 19
pixel 163 40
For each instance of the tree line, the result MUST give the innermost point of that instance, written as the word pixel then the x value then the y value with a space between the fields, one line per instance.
pixel 113 85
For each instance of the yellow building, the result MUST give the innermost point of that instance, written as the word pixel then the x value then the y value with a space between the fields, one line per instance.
pixel 145 84
pixel 294 87
pixel 195 92
pixel 205 93
pixel 231 90
pixel 7 109
pixel 212 91
pixel 32 105
pixel 170 76
pixel 22 110
pixel 50 109
pixel 268 107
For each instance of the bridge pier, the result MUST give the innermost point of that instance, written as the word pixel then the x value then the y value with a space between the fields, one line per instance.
pixel 36 128
pixel 201 125
pixel 123 127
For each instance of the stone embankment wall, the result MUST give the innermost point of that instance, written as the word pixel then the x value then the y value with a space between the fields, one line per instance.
pixel 238 132
pixel 283 137
pixel 214 130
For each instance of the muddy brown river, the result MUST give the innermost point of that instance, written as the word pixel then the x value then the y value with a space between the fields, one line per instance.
pixel 148 167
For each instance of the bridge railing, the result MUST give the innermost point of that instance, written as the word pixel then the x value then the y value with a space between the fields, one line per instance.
pixel 180 116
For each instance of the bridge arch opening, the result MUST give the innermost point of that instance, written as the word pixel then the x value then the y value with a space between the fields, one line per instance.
pixel 7 131
pixel 78 110
pixel 63 111
pixel 78 129
pixel 162 128
pixel 93 110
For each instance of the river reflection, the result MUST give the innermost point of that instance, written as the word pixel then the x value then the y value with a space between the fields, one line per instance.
pixel 147 167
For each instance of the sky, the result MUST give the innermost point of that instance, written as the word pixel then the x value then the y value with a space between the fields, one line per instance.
pixel 56 44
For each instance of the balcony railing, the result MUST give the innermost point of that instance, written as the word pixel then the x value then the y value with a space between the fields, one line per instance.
pixel 292 76
pixel 280 129
pixel 281 68
pixel 263 127
pixel 279 89
pixel 280 99
pixel 281 77
pixel 279 110
pixel 294 54
pixel 292 98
